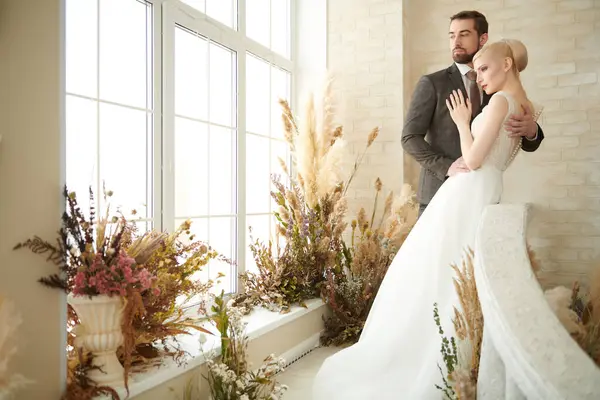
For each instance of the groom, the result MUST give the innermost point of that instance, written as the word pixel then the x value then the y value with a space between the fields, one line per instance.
pixel 428 117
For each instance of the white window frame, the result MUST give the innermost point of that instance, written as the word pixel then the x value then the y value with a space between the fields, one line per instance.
pixel 168 14
pixel 165 15
pixel 153 182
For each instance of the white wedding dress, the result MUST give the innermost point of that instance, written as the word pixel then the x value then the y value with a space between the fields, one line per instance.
pixel 398 353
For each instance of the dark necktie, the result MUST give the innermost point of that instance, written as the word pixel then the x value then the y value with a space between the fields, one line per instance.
pixel 474 94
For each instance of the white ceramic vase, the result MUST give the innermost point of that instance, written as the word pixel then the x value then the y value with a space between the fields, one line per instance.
pixel 100 333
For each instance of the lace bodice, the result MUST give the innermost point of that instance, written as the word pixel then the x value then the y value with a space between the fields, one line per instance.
pixel 505 149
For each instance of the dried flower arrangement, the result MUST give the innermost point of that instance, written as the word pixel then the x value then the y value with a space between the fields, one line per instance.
pixel 350 292
pixel 461 355
pixel 106 256
pixel 577 308
pixel 174 262
pixel 579 312
pixel 91 254
pixel 230 377
pixel 314 259
pixel 310 215
pixel 10 320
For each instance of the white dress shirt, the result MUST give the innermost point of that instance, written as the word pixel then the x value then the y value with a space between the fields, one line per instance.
pixel 464 70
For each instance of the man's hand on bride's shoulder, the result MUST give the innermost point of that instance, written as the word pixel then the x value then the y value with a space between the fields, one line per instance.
pixel 458 167
pixel 522 125
pixel 460 108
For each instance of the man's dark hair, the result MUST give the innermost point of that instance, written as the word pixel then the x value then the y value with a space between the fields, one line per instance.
pixel 481 24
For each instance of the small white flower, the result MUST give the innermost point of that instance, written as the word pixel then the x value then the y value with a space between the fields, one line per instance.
pixel 110 251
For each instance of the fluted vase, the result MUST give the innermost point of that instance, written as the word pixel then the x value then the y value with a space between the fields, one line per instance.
pixel 100 333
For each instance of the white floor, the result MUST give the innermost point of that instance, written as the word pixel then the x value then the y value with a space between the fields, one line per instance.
pixel 299 376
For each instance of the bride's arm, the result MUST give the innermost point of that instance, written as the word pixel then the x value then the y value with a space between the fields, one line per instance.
pixel 475 150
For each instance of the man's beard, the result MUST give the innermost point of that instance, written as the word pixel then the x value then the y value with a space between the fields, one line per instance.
pixel 463 58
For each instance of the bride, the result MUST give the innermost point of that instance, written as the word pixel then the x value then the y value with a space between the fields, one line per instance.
pixel 398 353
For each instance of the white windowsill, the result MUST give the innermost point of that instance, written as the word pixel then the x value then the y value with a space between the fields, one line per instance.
pixel 260 322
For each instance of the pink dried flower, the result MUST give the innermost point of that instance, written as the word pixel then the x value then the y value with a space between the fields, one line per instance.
pixel 112 279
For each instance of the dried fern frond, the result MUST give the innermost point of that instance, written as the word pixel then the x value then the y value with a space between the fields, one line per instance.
pixel 37 245
pixel 79 386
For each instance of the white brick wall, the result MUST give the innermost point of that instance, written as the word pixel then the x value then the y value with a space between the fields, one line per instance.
pixel 365 54
pixel 562 179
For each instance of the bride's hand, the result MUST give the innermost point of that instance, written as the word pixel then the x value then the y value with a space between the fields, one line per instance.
pixel 459 107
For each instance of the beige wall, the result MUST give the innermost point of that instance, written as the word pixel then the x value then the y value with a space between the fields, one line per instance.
pixel 30 182
pixel 563 178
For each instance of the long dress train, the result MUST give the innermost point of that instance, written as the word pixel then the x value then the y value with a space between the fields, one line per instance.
pixel 398 353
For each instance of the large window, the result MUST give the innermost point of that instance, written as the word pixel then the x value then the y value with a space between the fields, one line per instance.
pixel 265 143
pixel 173 105
pixel 205 144
pixel 109 104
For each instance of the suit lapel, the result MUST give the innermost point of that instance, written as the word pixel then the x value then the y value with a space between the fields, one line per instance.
pixel 456 79
pixel 458 84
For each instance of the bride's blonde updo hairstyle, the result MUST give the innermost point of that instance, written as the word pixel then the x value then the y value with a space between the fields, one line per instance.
pixel 511 48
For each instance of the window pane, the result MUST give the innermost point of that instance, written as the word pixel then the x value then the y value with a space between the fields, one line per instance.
pixel 258 21
pixel 258 101
pixel 191 168
pixel 280 27
pixel 280 89
pixel 82 47
pixel 81 127
pixel 199 5
pixel 223 11
pixel 143 226
pixel 258 182
pixel 124 148
pixel 222 171
pixel 222 97
pixel 222 233
pixel 260 231
pixel 191 75
pixel 124 56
